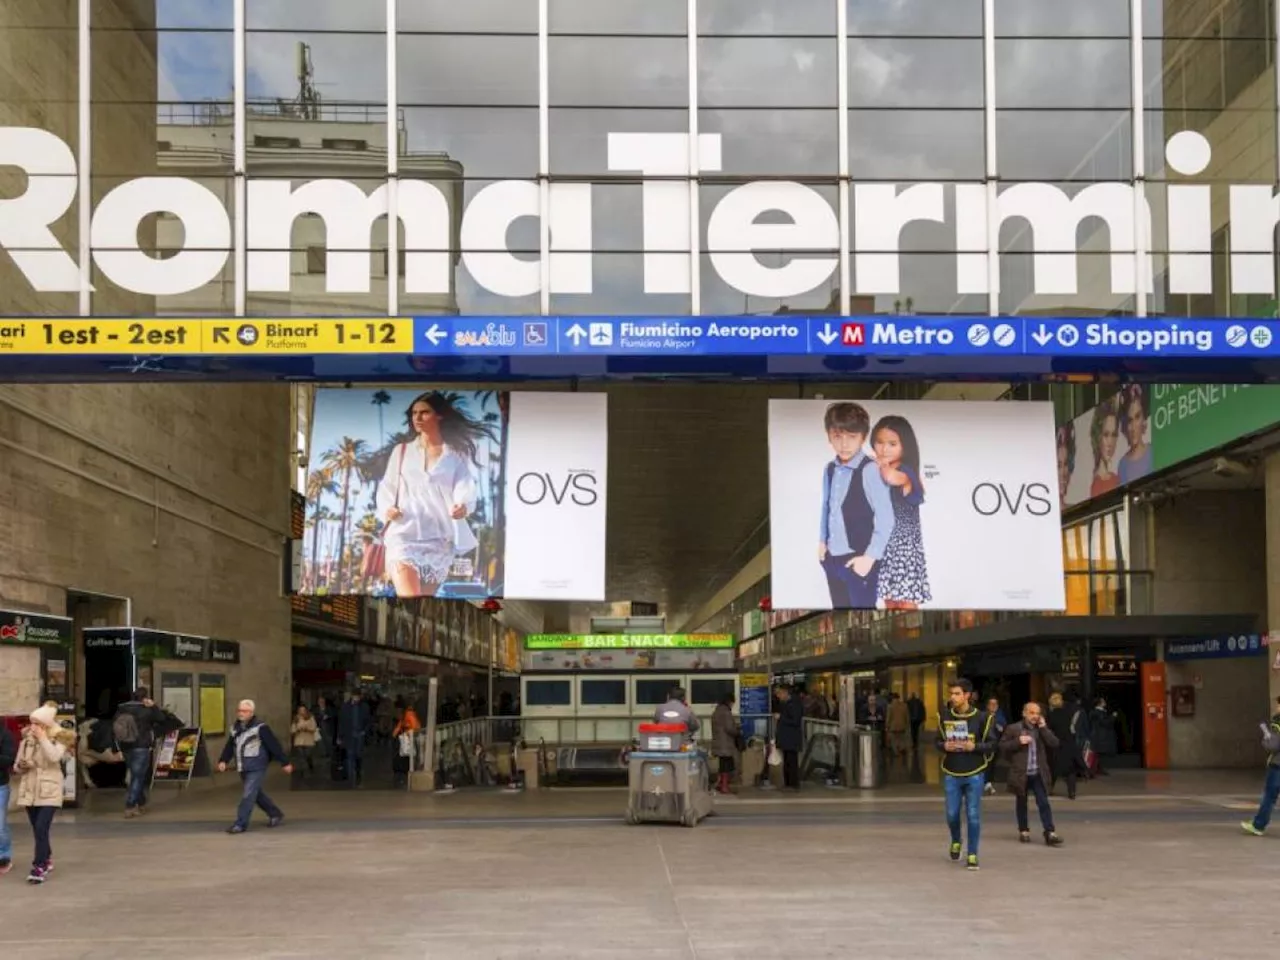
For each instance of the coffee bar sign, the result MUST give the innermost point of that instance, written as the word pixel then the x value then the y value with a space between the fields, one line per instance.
pixel 161 645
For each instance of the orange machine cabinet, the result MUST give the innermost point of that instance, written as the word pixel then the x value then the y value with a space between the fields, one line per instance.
pixel 1155 718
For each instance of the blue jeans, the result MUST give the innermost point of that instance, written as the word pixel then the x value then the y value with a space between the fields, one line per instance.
pixel 1270 791
pixel 6 837
pixel 966 790
pixel 848 590
pixel 254 795
pixel 139 762
pixel 355 759
pixel 1035 788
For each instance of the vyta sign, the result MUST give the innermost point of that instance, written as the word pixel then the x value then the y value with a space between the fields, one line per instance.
pixel 735 231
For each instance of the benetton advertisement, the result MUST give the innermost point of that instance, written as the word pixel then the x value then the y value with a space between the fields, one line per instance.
pixel 472 494
pixel 1147 427
pixel 924 505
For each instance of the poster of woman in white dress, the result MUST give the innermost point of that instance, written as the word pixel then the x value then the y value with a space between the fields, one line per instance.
pixel 404 493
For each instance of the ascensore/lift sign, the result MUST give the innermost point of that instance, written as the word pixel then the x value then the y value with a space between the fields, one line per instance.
pixel 225 337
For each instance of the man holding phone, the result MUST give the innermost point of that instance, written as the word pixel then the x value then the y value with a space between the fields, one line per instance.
pixel 1025 747
pixel 967 740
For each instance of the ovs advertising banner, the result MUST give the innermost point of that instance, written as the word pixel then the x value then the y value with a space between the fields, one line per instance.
pixel 914 505
pixel 422 492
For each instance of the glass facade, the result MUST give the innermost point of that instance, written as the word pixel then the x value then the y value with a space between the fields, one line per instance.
pixel 657 157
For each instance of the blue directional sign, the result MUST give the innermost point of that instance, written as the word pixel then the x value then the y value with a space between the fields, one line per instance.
pixel 1125 338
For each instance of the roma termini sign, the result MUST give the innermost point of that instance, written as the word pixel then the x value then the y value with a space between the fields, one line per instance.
pixel 880 211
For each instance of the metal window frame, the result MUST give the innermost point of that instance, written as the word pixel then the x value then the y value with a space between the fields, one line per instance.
pixel 393 160
pixel 239 82
pixel 84 157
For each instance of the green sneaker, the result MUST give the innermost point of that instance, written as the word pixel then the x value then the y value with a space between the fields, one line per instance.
pixel 972 862
pixel 1250 829
pixel 955 851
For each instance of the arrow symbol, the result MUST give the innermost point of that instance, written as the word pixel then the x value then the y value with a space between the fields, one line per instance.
pixel 435 334
pixel 576 334
pixel 828 336
pixel 1042 335
pixel 221 335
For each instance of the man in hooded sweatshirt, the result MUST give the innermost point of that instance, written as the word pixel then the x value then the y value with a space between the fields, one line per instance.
pixel 966 737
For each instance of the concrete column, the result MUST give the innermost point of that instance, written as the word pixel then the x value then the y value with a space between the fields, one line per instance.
pixel 1272 486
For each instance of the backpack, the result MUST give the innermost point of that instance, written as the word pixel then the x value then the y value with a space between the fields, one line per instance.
pixel 125 728
pixel 101 737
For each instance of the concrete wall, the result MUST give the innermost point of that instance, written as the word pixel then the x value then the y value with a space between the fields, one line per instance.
pixel 1229 704
pixel 1209 553
pixel 174 496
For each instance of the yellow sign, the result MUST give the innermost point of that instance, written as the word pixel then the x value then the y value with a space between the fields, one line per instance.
pixel 754 680
pixel 223 336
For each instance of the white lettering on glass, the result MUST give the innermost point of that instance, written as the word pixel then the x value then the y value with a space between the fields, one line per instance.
pixel 800 222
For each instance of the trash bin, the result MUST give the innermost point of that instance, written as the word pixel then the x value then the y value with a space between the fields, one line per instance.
pixel 870 774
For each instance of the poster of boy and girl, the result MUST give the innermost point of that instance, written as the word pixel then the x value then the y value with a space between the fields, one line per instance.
pixel 913 505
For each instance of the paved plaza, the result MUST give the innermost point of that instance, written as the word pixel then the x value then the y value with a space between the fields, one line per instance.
pixel 1155 866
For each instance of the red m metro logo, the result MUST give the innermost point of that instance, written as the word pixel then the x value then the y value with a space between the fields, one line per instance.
pixel 853 335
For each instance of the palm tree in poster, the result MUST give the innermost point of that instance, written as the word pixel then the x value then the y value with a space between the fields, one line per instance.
pixel 319 518
pixel 380 399
pixel 343 460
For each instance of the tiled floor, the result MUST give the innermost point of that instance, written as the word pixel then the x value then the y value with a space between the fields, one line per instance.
pixel 1153 868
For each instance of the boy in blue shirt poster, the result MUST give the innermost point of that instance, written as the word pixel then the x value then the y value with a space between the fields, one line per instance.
pixel 857 511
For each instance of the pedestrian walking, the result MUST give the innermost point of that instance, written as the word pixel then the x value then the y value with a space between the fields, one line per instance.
pixel 1271 786
pixel 305 733
pixel 1026 745
pixel 43 747
pixel 1064 720
pixel 8 756
pixel 726 733
pixel 915 710
pixel 253 746
pixel 967 741
pixel 897 725
pixel 789 736
pixel 135 727
pixel 993 710
pixel 1102 735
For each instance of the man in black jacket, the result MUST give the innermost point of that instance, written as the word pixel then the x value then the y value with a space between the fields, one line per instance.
pixel 8 754
pixel 967 740
pixel 135 725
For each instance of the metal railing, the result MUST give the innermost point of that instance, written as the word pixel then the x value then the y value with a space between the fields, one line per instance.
pixel 1089 593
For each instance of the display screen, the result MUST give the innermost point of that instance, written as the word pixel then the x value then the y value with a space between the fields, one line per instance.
pixel 651 693
pixel 710 691
pixel 547 693
pixel 604 693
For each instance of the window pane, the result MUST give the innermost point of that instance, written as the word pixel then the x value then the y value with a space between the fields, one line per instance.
pixel 473 16
pixel 1053 18
pixel 458 70
pixel 775 142
pixel 591 16
pixel 301 254
pixel 291 15
pixel 896 72
pixel 1093 288
pixel 618 287
pixel 772 72
pixel 767 18
pixel 488 142
pixel 547 693
pixel 162 107
pixel 918 18
pixel 917 144
pixel 1064 145
pixel 618 72
pixel 1062 73
pixel 1208 76
pixel 1208 18
pixel 495 273
pixel 603 693
pixel 580 137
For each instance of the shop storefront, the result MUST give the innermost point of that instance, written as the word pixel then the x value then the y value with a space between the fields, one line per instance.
pixel 36 660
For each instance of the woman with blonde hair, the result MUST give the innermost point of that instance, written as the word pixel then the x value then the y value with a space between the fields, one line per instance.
pixel 43 747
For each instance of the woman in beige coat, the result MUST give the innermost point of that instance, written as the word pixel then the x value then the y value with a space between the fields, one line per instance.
pixel 39 768
pixel 304 731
